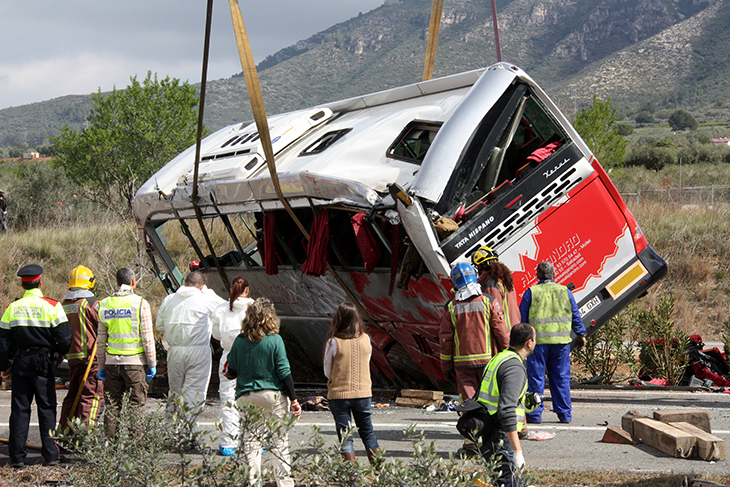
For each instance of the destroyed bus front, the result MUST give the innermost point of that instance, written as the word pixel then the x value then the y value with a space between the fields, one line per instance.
pixel 394 188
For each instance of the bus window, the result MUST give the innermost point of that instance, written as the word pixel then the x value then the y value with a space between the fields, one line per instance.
pixel 530 137
pixel 415 140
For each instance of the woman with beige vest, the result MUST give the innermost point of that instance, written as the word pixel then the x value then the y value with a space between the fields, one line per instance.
pixel 347 366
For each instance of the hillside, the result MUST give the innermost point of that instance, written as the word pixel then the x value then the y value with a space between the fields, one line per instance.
pixel 625 49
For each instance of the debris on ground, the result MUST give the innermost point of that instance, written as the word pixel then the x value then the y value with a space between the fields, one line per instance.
pixel 314 403
pixel 680 433
pixel 416 398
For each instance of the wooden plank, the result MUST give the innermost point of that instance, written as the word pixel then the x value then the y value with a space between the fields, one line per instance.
pixel 709 447
pixel 417 393
pixel 627 421
pixel 614 434
pixel 664 437
pixel 414 402
pixel 696 417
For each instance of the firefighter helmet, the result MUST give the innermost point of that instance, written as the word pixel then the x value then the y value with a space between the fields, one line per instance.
pixel 483 255
pixel 463 274
pixel 81 277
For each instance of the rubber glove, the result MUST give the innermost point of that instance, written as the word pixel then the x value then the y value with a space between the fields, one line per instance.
pixel 519 459
pixel 151 372
pixel 101 374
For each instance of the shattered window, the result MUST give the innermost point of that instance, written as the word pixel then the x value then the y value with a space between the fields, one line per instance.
pixel 414 141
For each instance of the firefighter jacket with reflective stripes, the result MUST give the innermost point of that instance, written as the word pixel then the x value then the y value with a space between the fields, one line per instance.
pixel 83 317
pixel 121 315
pixel 507 299
pixel 471 332
pixel 551 313
pixel 503 389
pixel 33 322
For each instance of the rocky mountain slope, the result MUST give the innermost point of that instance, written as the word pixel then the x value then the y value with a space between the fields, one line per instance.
pixel 664 51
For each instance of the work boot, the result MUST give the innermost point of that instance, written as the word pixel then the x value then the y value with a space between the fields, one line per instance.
pixel 373 457
pixel 349 456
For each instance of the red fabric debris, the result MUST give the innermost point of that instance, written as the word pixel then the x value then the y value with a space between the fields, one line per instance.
pixel 542 153
pixel 270 264
pixel 659 382
pixel 319 240
pixel 366 242
pixel 704 373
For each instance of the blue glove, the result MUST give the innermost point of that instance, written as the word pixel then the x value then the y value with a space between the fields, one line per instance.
pixel 151 372
pixel 101 374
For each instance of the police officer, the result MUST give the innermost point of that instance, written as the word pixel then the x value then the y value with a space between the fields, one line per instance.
pixel 82 309
pixel 38 329
pixel 126 346
pixel 498 413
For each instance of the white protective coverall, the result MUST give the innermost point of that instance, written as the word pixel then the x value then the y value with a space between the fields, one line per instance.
pixel 184 317
pixel 226 327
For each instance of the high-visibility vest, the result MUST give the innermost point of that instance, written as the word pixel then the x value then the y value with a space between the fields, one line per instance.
pixel 489 389
pixel 551 313
pixel 33 310
pixel 469 307
pixel 122 316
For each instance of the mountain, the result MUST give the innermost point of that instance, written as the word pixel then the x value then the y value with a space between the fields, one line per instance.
pixel 665 52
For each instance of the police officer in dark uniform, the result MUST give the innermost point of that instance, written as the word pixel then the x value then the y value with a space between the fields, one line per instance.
pixel 37 331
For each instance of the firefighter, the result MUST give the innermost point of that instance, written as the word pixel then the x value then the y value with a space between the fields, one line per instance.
pixel 498 414
pixel 38 329
pixel 472 330
pixel 126 347
pixel 82 310
pixel 496 280
pixel 552 310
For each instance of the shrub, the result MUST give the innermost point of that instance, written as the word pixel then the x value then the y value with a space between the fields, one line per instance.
pixel 624 129
pixel 644 117
pixel 611 347
pixel 653 158
pixel 663 347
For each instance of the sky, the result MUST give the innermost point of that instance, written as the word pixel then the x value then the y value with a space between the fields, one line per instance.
pixel 53 48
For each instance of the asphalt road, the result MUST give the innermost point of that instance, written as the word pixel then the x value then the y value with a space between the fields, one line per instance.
pixel 576 446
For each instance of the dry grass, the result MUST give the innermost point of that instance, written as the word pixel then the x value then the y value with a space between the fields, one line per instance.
pixel 695 242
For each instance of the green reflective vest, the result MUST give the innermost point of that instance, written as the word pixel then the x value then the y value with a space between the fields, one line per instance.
pixel 33 310
pixel 122 316
pixel 489 389
pixel 551 313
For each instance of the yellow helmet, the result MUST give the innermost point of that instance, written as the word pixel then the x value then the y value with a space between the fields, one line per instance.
pixel 81 277
pixel 483 255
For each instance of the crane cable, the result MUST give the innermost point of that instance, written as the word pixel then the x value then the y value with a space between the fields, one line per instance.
pixel 433 38
pixel 194 197
pixel 262 125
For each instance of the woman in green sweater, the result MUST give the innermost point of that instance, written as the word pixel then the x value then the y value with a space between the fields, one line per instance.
pixel 258 362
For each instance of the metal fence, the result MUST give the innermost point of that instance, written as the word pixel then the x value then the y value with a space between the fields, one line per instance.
pixel 685 195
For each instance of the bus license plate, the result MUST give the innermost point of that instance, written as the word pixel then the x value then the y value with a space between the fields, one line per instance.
pixel 586 308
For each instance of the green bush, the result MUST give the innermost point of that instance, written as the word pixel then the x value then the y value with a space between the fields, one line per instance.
pixel 611 347
pixel 624 129
pixel 662 346
pixel 651 157
pixel 680 120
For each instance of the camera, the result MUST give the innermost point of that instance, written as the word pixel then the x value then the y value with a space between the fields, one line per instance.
pixel 533 400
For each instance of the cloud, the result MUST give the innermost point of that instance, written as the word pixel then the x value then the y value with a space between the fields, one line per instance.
pixel 77 46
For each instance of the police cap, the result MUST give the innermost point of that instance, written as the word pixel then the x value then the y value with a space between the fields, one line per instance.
pixel 30 273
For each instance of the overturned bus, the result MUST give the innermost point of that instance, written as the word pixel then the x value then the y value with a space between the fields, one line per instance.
pixel 393 188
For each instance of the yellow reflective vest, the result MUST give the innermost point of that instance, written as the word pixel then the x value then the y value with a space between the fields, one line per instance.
pixel 551 313
pixel 122 316
pixel 489 389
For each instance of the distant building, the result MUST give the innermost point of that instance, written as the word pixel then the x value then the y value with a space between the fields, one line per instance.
pixel 721 141
pixel 31 155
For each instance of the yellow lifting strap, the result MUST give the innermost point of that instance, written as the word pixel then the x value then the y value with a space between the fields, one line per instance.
pixel 262 125
pixel 433 38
